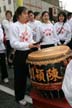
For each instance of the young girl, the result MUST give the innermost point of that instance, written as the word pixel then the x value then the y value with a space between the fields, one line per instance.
pixel 46 32
pixel 37 15
pixel 21 40
pixel 6 25
pixel 62 29
pixel 33 24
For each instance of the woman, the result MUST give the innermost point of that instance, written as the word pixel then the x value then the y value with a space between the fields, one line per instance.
pixel 33 24
pixel 62 29
pixel 46 32
pixel 6 25
pixel 21 40
pixel 4 74
pixel 37 15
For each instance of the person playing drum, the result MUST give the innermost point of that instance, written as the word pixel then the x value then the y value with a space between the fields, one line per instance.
pixel 21 40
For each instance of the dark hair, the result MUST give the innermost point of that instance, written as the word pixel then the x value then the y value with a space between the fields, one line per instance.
pixel 69 14
pixel 36 14
pixel 44 13
pixel 14 17
pixel 64 14
pixel 19 11
pixel 30 11
pixel 8 11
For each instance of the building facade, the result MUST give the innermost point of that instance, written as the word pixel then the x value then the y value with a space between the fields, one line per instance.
pixel 53 2
pixel 6 5
pixel 52 6
pixel 35 5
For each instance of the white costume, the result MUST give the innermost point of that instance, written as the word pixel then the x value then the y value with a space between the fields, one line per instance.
pixel 46 31
pixel 2 47
pixel 65 31
pixel 34 27
pixel 6 25
pixel 20 36
pixel 67 83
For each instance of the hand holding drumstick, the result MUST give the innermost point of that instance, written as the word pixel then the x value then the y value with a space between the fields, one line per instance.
pixel 36 45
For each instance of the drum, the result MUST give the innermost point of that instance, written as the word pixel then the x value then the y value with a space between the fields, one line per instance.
pixel 47 69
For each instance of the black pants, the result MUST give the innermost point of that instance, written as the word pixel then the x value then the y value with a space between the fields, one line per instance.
pixel 68 44
pixel 8 50
pixel 4 73
pixel 20 74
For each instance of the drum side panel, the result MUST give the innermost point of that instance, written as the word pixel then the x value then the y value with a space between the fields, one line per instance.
pixel 48 76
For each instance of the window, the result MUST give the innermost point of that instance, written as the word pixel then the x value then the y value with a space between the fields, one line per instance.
pixel 4 7
pixel 9 1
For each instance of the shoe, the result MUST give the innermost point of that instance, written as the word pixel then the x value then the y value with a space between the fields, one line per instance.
pixel 22 102
pixel 5 80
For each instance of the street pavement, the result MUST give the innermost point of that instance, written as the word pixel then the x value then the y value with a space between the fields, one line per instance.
pixel 7 99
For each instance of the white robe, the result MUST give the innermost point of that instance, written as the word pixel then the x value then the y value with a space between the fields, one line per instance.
pixel 67 83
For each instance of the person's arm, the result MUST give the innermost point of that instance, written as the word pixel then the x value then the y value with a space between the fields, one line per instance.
pixel 14 40
pixel 39 34
pixel 68 35
pixel 57 41
pixel 5 24
pixel 1 35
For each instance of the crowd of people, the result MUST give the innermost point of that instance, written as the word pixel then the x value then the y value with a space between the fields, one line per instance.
pixel 21 34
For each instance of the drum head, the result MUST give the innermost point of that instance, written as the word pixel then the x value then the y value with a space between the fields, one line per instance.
pixel 49 55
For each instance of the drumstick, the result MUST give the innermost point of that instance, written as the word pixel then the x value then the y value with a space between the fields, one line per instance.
pixel 38 41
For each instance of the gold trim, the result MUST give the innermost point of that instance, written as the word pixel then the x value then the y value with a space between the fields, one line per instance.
pixel 58 83
pixel 50 86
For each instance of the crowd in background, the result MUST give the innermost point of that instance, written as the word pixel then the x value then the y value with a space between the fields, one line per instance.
pixel 25 32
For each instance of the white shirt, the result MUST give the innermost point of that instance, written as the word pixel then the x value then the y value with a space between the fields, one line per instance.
pixel 67 83
pixel 20 36
pixel 70 24
pixel 46 30
pixel 2 47
pixel 34 27
pixel 65 33
pixel 6 25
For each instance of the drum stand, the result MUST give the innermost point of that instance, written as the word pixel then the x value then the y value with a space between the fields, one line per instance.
pixel 41 102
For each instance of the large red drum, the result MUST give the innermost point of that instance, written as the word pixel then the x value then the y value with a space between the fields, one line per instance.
pixel 47 69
